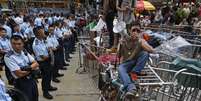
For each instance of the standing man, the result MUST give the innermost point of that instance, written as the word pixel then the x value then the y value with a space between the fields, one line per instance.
pixel 41 52
pixel 110 12
pixel 4 48
pixel 20 64
pixel 53 45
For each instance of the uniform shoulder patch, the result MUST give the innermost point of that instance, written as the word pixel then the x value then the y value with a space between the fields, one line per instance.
pixel 8 54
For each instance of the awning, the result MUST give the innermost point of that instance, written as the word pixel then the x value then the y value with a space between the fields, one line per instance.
pixel 144 5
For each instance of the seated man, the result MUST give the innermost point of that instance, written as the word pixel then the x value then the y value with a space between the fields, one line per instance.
pixel 134 52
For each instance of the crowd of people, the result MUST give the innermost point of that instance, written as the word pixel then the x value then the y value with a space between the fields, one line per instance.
pixel 36 46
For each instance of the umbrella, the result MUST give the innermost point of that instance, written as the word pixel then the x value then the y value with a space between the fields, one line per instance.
pixel 144 5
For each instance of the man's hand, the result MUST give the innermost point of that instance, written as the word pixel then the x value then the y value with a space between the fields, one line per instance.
pixel 34 65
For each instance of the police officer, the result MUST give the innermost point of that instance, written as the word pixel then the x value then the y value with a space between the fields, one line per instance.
pixel 41 52
pixel 17 31
pixel 21 63
pixel 3 92
pixel 59 35
pixel 4 48
pixel 53 44
pixel 29 36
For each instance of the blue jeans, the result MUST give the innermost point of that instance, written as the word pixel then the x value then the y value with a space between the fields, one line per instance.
pixel 132 66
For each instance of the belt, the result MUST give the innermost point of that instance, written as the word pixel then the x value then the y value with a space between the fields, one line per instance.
pixel 44 61
pixel 28 77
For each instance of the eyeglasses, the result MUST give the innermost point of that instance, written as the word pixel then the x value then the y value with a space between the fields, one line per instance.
pixel 136 30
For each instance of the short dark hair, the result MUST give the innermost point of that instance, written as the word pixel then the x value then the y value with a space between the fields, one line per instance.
pixel 36 29
pixel 16 37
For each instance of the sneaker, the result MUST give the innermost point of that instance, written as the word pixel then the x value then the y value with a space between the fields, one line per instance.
pixel 47 95
pixel 131 93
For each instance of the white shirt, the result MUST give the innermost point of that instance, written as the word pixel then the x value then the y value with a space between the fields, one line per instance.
pixel 71 23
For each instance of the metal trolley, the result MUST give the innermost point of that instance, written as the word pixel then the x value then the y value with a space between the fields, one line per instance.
pixel 173 76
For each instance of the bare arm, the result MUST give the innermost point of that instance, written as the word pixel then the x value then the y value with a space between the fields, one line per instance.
pixel 147 47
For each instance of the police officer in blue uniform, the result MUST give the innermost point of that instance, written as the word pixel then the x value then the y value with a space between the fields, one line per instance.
pixel 21 64
pixel 53 44
pixel 41 52
pixel 59 35
pixel 4 48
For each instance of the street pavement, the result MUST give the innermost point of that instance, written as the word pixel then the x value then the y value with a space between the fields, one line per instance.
pixel 73 86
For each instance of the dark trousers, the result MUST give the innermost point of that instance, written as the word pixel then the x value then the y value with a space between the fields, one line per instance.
pixel 61 50
pixel 28 87
pixel 46 72
pixel 67 48
pixel 58 63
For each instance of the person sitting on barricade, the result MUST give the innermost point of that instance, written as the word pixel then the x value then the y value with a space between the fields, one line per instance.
pixel 134 53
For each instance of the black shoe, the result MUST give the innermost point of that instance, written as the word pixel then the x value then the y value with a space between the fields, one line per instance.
pixel 52 88
pixel 56 80
pixel 59 75
pixel 63 68
pixel 65 64
pixel 68 61
pixel 47 95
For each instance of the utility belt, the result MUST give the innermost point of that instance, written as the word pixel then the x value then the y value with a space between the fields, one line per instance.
pixel 28 77
pixel 45 61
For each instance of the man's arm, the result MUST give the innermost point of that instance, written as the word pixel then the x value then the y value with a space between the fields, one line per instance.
pixel 13 67
pixel 34 65
pixel 147 47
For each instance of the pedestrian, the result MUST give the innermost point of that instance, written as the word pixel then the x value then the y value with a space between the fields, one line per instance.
pixel 41 52
pixel 21 64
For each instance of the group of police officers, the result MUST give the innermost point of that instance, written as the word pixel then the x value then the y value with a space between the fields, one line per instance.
pixel 34 47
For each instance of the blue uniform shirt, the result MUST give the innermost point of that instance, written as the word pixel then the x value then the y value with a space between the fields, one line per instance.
pixel 29 32
pixel 8 30
pixel 40 49
pixel 3 95
pixel 52 41
pixel 16 61
pixel 24 26
pixel 38 22
pixel 5 44
pixel 58 33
